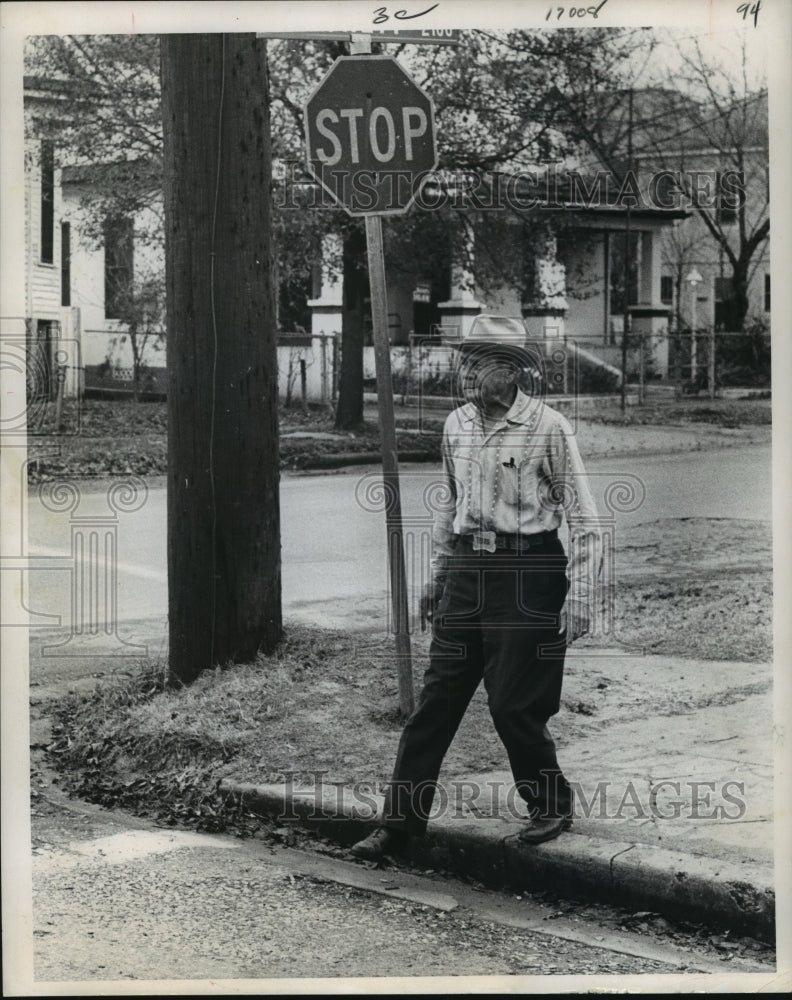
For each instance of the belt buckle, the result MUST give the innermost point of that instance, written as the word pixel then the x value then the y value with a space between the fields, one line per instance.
pixel 484 541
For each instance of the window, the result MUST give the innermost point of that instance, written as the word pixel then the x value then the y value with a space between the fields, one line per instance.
pixel 47 201
pixel 666 289
pixel 65 263
pixel 119 249
pixel 767 293
pixel 316 279
pixel 617 271
pixel 730 194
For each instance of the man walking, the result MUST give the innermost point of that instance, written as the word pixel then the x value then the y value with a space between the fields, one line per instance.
pixel 501 605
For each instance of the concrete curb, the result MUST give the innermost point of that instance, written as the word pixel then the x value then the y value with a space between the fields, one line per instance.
pixel 589 401
pixel 692 887
pixel 344 458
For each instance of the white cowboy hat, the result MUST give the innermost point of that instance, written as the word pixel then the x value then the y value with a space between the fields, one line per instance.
pixel 495 336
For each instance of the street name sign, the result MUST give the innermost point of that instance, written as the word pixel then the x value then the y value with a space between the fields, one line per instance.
pixel 370 135
pixel 413 36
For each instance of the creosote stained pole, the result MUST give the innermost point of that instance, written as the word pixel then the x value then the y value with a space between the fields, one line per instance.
pixel 224 579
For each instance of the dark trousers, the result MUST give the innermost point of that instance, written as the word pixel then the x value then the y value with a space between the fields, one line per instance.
pixel 497 621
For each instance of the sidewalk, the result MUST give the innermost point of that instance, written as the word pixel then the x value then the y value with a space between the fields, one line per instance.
pixel 673 813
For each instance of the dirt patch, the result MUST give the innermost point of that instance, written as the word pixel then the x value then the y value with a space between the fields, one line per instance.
pixel 696 587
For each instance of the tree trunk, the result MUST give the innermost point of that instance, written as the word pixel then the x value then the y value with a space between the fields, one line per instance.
pixel 223 508
pixel 349 409
pixel 738 300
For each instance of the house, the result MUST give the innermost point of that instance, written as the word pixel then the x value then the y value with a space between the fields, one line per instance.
pixel 568 285
pixel 117 284
pixel 711 157
pixel 77 263
pixel 725 168
pixel 50 318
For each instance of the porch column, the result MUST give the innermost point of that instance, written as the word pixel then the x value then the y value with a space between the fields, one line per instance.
pixel 327 309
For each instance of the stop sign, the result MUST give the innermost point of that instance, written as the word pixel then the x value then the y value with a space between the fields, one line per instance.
pixel 370 135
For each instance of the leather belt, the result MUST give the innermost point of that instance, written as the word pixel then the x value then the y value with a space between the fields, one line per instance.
pixel 491 541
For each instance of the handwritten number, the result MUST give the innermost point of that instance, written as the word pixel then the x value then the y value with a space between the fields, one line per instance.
pixel 400 15
pixel 575 11
pixel 753 9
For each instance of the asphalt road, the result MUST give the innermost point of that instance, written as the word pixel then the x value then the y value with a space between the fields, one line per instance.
pixel 333 533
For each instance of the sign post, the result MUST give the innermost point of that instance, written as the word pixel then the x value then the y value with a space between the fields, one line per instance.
pixel 370 140
pixel 390 462
pixel 694 279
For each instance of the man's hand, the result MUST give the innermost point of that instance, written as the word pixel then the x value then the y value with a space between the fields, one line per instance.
pixel 432 592
pixel 574 620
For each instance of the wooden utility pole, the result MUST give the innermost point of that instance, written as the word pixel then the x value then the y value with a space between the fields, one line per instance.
pixel 223 510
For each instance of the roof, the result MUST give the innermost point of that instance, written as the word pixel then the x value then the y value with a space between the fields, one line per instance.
pixel 548 189
pixel 120 170
pixel 669 122
pixel 51 88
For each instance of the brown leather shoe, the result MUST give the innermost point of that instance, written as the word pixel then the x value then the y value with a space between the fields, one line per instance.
pixel 543 828
pixel 381 842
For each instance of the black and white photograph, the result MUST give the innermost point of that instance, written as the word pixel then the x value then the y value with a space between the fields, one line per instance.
pixel 395 497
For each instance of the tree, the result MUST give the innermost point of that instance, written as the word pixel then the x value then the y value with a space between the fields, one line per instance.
pixel 100 102
pixel 503 98
pixel 141 307
pixel 712 121
pixel 223 507
pixel 501 115
pixel 349 410
pixel 497 108
pixel 729 119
